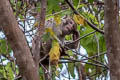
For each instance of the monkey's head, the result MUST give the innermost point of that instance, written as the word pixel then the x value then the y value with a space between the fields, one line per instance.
pixel 68 26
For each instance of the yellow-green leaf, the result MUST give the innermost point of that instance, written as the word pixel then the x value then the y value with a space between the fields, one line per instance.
pixel 57 19
pixel 36 24
pixel 54 53
pixel 49 30
pixel 78 19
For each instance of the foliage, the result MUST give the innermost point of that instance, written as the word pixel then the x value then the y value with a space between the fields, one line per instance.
pixel 92 41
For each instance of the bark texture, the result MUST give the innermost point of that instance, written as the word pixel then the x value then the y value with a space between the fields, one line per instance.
pixel 18 42
pixel 112 36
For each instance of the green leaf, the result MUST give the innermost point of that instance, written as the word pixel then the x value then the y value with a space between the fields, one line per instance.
pixel 91 1
pixel 102 43
pixel 68 37
pixel 46 37
pixel 75 2
pixel 41 72
pixel 71 69
pixel 53 5
pixel 2 73
pixel 61 66
pixel 9 71
pixel 21 16
pixel 69 52
pixel 88 42
pixel 4 47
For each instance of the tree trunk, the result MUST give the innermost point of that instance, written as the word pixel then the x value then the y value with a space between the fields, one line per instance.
pixel 112 36
pixel 17 42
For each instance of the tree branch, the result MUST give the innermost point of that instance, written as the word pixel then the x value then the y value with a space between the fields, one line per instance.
pixel 40 31
pixel 70 60
pixel 72 42
pixel 90 24
pixel 17 41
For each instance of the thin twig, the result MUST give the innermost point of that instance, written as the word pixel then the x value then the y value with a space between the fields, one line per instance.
pixel 86 56
pixel 43 58
pixel 76 60
pixel 81 38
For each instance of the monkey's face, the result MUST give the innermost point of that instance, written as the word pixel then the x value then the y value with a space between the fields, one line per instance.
pixel 68 26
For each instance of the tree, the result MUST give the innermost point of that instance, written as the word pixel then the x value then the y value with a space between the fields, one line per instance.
pixel 112 37
pixel 34 30
pixel 17 39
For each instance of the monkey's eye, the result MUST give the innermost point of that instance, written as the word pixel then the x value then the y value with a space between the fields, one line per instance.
pixel 71 22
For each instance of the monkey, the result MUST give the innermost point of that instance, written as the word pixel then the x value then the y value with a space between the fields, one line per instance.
pixel 67 27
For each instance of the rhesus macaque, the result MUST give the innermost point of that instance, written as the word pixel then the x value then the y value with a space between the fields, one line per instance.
pixel 67 27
